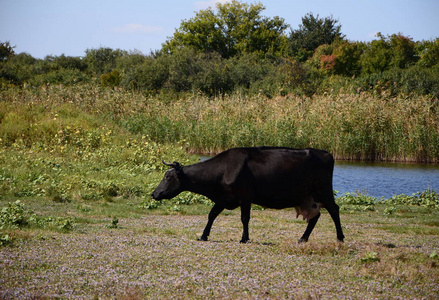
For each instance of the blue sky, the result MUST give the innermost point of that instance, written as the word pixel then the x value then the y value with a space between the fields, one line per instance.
pixel 55 27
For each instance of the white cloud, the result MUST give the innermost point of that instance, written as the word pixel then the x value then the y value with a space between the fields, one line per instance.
pixel 209 3
pixel 138 28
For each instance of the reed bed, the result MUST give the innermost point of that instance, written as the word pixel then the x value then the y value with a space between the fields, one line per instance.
pixel 351 126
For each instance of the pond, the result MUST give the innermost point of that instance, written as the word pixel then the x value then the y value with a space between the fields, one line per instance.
pixel 385 179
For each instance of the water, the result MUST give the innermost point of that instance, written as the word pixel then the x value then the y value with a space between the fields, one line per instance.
pixel 385 179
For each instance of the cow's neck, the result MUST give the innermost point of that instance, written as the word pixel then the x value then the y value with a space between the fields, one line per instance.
pixel 200 180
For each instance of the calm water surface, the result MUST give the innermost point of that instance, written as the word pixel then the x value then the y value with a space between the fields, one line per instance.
pixel 385 179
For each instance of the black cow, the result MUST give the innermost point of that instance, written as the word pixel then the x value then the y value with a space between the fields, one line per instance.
pixel 268 176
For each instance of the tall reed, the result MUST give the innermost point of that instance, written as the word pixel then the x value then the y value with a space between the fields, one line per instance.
pixel 351 126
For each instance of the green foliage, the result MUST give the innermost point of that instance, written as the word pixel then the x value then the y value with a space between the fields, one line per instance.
pixel 377 56
pixel 24 69
pixel 111 79
pixel 236 28
pixel 413 80
pixel 395 51
pixel 370 257
pixel 18 69
pixel 426 198
pixel 150 75
pixel 5 240
pixel 312 33
pixel 236 50
pixel 428 51
pixel 358 201
pixel 102 60
pixel 114 223
pixel 6 51
pixel 339 58
pixel 362 202
pixel 16 215
pixel 389 210
pixel 67 62
pixel 150 204
pixel 403 51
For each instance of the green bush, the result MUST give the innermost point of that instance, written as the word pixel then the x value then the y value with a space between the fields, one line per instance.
pixel 111 79
pixel 426 198
pixel 358 201
pixel 14 215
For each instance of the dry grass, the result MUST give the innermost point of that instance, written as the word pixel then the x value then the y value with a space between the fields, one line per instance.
pixel 158 256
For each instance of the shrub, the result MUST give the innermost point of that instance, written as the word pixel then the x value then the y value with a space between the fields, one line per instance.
pixel 111 79
pixel 150 75
pixel 358 201
pixel 426 198
pixel 14 215
pixel 5 240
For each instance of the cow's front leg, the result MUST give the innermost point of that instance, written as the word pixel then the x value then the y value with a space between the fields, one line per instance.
pixel 312 222
pixel 214 212
pixel 245 218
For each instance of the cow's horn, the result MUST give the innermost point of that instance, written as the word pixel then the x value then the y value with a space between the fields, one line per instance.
pixel 175 164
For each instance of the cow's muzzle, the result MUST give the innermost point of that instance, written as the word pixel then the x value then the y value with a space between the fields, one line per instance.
pixel 156 196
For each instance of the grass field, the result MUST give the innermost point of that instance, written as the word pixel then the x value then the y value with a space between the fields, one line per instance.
pixel 153 254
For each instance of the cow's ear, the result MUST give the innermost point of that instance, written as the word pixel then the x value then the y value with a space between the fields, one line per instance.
pixel 177 166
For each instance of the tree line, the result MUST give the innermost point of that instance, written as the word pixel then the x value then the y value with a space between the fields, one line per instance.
pixel 234 48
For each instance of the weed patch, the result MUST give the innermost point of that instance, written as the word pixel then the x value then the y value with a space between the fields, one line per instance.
pixel 15 215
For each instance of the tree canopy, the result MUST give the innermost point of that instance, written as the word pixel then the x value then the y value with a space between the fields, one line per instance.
pixel 312 33
pixel 234 28
pixel 234 48
pixel 6 50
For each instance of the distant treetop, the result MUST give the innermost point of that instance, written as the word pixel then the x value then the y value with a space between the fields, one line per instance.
pixel 233 28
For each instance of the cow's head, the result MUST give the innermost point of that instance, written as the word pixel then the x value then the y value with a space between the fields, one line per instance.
pixel 171 184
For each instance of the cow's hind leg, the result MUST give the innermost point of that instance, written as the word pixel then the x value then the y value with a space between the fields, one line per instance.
pixel 334 211
pixel 214 212
pixel 245 219
pixel 311 223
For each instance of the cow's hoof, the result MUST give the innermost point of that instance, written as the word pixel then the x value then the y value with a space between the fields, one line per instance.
pixel 302 240
pixel 244 241
pixel 203 239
